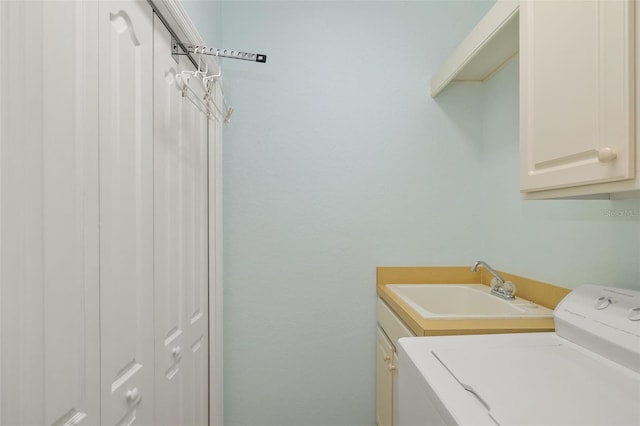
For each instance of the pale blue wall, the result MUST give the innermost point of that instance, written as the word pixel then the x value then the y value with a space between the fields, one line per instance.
pixel 206 15
pixel 336 161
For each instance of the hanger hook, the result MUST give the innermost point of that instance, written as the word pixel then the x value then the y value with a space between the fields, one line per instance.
pixel 195 52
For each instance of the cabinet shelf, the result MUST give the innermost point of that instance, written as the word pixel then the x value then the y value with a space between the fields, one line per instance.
pixel 485 50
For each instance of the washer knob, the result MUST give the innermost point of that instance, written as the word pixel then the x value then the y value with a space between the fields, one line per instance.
pixel 602 302
pixel 634 314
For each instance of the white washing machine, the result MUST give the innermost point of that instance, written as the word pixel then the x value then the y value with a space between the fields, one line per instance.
pixel 587 372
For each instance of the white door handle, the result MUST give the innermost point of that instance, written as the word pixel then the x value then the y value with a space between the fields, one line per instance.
pixel 176 351
pixel 133 395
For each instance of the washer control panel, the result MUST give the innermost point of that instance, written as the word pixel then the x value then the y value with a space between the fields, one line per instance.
pixel 617 308
pixel 605 320
pixel 623 300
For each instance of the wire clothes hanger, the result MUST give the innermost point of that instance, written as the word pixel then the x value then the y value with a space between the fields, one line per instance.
pixel 204 102
pixel 208 81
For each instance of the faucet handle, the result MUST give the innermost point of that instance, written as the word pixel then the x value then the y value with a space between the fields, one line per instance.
pixel 509 288
pixel 495 283
pixel 505 290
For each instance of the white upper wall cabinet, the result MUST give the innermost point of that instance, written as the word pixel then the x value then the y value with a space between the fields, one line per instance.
pixel 576 93
pixel 579 64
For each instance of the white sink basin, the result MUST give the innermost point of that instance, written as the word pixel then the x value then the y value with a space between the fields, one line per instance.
pixel 433 301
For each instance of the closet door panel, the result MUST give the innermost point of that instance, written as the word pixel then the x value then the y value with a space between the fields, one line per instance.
pixel 169 211
pixel 180 170
pixel 126 212
pixel 214 134
pixel 49 362
pixel 198 291
pixel 195 271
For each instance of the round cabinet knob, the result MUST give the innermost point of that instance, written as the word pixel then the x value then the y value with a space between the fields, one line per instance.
pixel 606 155
pixel 387 357
pixel 176 351
pixel 133 395
pixel 391 367
pixel 602 302
pixel 634 314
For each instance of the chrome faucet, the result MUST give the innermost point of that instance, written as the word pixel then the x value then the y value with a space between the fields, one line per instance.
pixel 499 287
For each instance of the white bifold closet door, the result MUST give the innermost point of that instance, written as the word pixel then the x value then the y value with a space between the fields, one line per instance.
pixel 49 306
pixel 104 216
pixel 126 212
pixel 181 241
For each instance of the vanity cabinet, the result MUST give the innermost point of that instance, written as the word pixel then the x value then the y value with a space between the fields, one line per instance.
pixel 390 329
pixel 577 98
pixel 385 369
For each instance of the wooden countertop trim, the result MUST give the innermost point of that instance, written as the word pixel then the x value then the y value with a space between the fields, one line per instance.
pixel 541 293
pixel 426 275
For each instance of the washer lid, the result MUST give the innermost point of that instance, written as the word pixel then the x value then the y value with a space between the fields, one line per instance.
pixel 557 384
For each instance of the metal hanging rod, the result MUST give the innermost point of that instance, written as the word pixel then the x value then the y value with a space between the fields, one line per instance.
pixel 223 53
pixel 233 54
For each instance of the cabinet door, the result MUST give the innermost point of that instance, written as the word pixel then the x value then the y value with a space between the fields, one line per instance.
pixel 576 92
pixel 180 244
pixel 49 349
pixel 126 211
pixel 384 380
